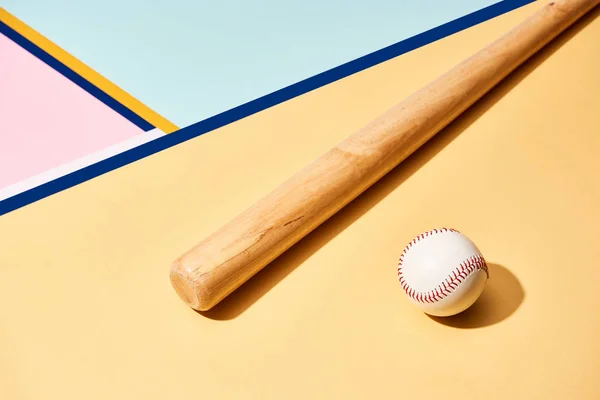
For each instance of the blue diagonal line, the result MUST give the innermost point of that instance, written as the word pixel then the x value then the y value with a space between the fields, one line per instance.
pixel 259 104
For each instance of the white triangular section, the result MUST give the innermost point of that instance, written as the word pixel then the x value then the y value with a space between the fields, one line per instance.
pixel 62 170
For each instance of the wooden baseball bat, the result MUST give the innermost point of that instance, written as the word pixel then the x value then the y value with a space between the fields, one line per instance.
pixel 207 273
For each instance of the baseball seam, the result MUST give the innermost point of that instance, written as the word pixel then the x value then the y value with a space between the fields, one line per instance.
pixel 447 287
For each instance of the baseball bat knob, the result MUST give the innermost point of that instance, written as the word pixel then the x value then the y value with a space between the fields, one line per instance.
pixel 190 293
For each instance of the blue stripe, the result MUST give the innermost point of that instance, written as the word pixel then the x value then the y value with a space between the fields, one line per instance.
pixel 75 77
pixel 259 104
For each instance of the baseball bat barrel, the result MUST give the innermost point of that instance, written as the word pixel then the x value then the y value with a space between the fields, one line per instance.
pixel 217 266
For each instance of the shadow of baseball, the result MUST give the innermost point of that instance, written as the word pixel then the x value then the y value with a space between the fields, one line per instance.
pixel 501 297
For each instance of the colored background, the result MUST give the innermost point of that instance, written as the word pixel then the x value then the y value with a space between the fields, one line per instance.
pixel 89 311
pixel 46 120
pixel 54 122
pixel 63 143
pixel 189 60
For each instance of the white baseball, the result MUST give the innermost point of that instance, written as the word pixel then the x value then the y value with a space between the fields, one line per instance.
pixel 442 272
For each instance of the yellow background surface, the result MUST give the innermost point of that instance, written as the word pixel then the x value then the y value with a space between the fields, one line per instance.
pixel 88 311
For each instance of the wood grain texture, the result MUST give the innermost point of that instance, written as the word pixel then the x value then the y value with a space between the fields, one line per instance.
pixel 209 272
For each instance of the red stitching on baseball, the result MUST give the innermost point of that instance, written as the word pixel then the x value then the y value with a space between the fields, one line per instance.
pixel 462 272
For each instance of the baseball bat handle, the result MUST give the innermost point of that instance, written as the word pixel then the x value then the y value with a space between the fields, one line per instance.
pixel 214 268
